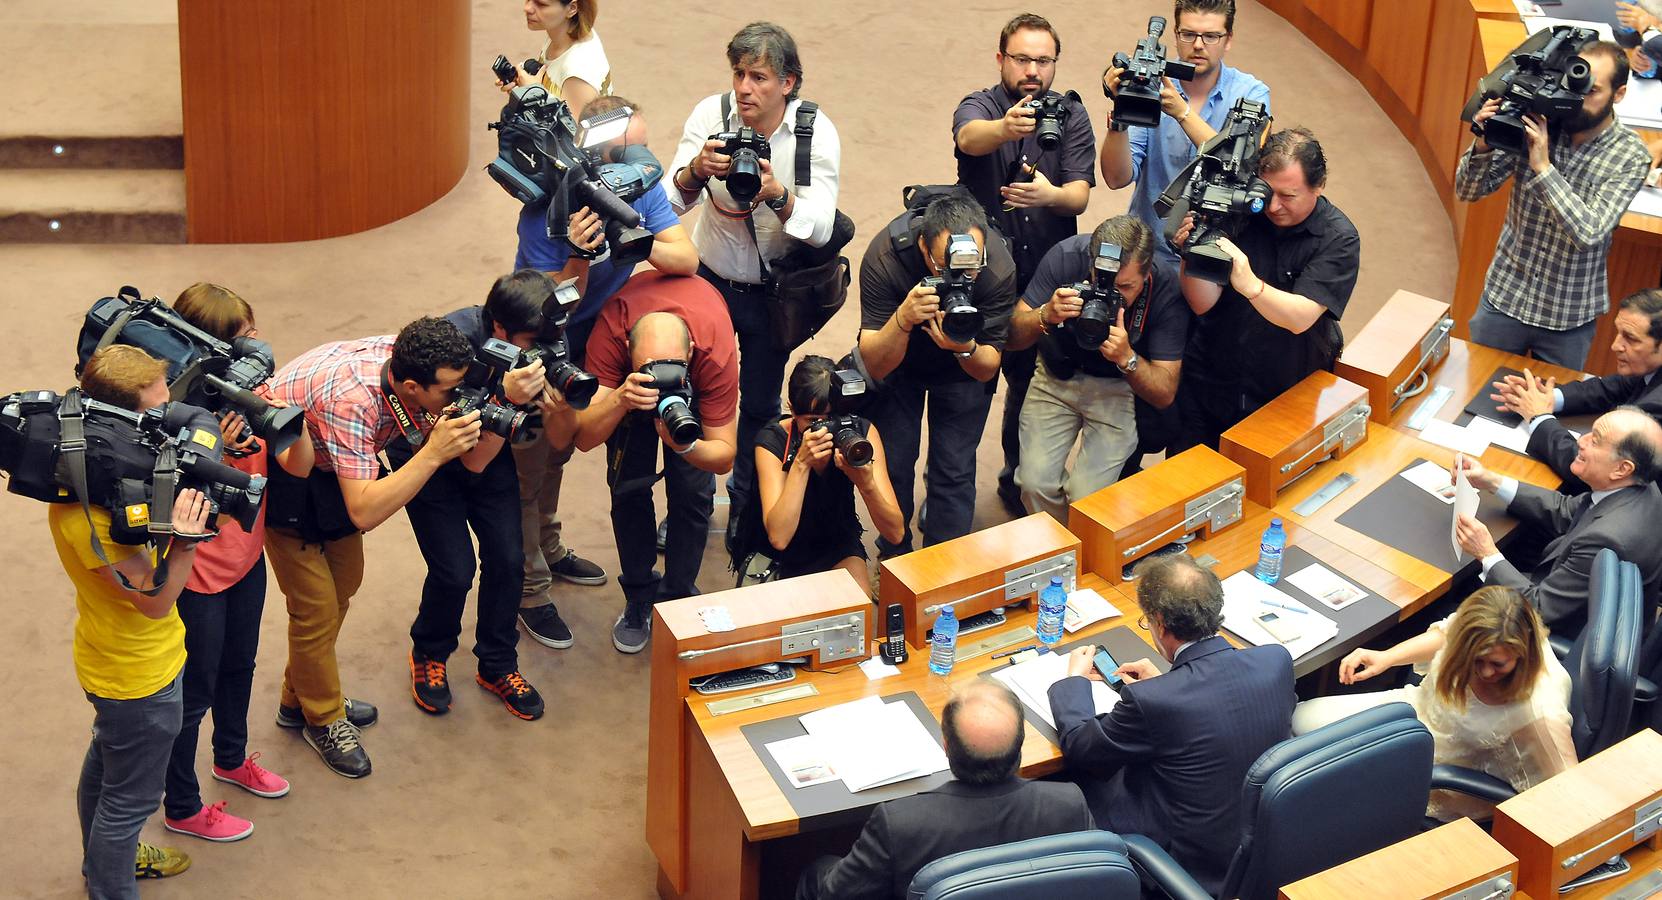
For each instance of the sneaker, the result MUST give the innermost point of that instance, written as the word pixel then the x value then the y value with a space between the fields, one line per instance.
pixel 663 535
pixel 544 625
pixel 516 693
pixel 152 861
pixel 578 570
pixel 253 778
pixel 633 628
pixel 361 713
pixel 428 684
pixel 212 823
pixel 1009 496
pixel 339 746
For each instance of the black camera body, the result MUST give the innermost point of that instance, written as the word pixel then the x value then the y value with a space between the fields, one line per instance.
pixel 1138 100
pixel 848 389
pixel 669 378
pixel 1050 113
pixel 504 70
pixel 1100 299
pixel 1221 187
pixel 550 346
pixel 493 358
pixel 961 320
pixel 748 148
pixel 1544 76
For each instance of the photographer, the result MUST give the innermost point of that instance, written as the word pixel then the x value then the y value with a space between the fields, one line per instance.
pixel 1547 286
pixel 1090 393
pixel 735 239
pixel 129 650
pixel 574 65
pixel 663 347
pixel 1203 32
pixel 903 346
pixel 807 485
pixel 1277 320
pixel 357 396
pixel 1031 193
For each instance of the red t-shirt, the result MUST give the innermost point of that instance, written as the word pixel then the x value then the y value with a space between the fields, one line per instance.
pixel 714 367
pixel 221 562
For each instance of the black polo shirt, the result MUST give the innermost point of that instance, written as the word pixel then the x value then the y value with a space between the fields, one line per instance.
pixel 1031 232
pixel 887 275
pixel 1165 317
pixel 1235 348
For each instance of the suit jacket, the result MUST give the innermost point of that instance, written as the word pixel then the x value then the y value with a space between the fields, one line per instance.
pixel 1628 522
pixel 1553 444
pixel 1171 757
pixel 904 835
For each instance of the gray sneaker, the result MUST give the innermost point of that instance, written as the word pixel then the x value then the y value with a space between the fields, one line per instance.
pixel 633 628
pixel 361 713
pixel 338 744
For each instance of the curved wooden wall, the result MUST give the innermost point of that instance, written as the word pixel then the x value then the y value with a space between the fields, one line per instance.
pixel 309 119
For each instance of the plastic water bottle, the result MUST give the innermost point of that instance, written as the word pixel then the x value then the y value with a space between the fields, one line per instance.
pixel 1269 553
pixel 943 646
pixel 1053 605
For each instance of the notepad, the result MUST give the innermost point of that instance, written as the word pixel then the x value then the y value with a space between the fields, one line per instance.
pixel 1245 598
pixel 1031 682
pixel 869 743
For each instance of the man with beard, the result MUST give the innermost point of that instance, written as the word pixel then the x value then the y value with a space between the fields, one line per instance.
pixel 1546 286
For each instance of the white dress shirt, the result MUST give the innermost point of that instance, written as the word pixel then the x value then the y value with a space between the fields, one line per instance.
pixel 1507 491
pixel 723 241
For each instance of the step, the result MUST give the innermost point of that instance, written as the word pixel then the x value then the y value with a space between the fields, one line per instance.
pixel 122 206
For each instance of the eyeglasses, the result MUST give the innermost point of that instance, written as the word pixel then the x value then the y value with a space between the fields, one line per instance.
pixel 1209 38
pixel 1043 62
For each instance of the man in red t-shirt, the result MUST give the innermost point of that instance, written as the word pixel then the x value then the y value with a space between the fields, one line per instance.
pixel 658 332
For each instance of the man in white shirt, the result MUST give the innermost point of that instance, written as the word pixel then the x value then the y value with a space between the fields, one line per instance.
pixel 734 239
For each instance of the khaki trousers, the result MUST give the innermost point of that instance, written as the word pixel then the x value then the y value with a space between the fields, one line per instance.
pixel 318 581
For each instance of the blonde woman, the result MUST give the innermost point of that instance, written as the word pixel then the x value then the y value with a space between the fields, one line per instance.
pixel 574 65
pixel 1494 697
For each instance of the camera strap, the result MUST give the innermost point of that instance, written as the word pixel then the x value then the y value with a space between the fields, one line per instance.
pixel 1138 316
pixel 412 433
pixel 72 450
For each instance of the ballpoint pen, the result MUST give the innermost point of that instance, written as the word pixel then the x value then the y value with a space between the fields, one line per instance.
pixel 1284 606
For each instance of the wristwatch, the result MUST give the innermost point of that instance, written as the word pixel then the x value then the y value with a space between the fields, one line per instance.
pixel 1129 367
pixel 966 354
pixel 777 204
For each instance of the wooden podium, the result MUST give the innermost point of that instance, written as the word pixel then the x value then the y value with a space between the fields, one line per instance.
pixel 1322 417
pixel 1429 866
pixel 1196 490
pixel 1407 339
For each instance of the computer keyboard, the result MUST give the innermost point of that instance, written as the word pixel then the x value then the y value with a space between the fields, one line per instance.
pixel 741 680
pixel 992 618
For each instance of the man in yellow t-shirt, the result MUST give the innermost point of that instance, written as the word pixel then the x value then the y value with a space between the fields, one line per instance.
pixel 129 651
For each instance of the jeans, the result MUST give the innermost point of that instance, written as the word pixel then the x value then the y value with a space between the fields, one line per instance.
pixel 222 635
pixel 632 467
pixel 318 581
pixel 1018 367
pixel 1100 412
pixel 121 784
pixel 957 416
pixel 1493 328
pixel 541 470
pixel 761 376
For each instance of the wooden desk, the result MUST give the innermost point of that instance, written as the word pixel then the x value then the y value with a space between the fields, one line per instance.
pixel 1466 372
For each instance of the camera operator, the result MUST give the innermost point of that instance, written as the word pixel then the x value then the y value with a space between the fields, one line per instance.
pixel 734 238
pixel 574 65
pixel 129 650
pixel 903 346
pixel 1032 194
pixel 1278 318
pixel 1203 32
pixel 675 327
pixel 357 396
pixel 1547 285
pixel 1089 392
pixel 540 465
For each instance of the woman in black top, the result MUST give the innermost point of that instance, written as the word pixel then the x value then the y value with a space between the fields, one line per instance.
pixel 807 487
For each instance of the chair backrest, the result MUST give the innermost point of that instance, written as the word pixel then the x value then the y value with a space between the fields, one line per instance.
pixel 1081 865
pixel 1604 660
pixel 1328 796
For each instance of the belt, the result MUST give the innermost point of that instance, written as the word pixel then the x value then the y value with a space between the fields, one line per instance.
pixel 743 287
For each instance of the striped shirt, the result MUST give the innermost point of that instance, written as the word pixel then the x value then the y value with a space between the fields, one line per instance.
pixel 339 387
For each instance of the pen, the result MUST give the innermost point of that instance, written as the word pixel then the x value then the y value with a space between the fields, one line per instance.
pixel 1284 606
pixel 1015 651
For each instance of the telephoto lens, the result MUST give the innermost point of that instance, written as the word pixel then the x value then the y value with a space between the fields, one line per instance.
pixel 850 442
pixel 679 419
pixel 574 384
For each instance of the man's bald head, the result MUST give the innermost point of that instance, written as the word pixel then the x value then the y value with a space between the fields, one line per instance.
pixel 1638 439
pixel 982 727
pixel 659 335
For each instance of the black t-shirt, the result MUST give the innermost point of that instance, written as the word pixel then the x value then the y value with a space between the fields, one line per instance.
pixel 1165 316
pixel 829 522
pixel 887 275
pixel 1235 348
pixel 1031 232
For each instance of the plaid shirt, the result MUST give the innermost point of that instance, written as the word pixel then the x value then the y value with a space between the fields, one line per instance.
pixel 339 387
pixel 1549 265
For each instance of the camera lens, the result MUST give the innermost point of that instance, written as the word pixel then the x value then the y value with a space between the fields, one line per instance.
pixel 1090 328
pixel 574 384
pixel 744 176
pixel 679 420
pixel 852 445
pixel 1049 133
pixel 962 321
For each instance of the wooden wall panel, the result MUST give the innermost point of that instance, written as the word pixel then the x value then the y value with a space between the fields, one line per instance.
pixel 1349 19
pixel 1398 35
pixel 1448 82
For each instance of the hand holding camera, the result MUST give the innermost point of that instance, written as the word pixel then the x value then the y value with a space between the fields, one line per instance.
pixel 453 436
pixel 817 448
pixel 233 428
pixel 637 392
pixel 191 513
pixel 1064 304
pixel 586 230
pixel 1117 347
pixel 920 305
pixel 1020 120
pixel 1143 80
pixel 524 384
pixel 744 152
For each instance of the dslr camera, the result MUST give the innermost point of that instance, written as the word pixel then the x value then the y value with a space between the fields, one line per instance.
pixel 1221 187
pixel 494 357
pixel 574 384
pixel 1101 300
pixel 961 320
pixel 848 389
pixel 747 148
pixel 1138 102
pixel 1050 113
pixel 202 370
pixel 1544 76
pixel 669 377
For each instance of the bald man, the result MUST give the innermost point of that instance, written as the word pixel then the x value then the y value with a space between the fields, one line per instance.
pixel 985 805
pixel 1619 459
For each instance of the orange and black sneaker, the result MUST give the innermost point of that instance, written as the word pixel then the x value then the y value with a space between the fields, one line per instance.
pixel 516 693
pixel 428 684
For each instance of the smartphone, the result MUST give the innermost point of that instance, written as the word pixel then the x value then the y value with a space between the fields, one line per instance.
pixel 1106 664
pixel 1278 626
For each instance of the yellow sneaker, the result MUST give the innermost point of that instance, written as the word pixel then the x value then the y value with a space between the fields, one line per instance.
pixel 158 862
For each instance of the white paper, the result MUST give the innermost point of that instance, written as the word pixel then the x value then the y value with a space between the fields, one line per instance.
pixel 876 668
pixel 1648 202
pixel 848 733
pixel 1086 606
pixel 1245 598
pixel 1465 504
pixel 1454 437
pixel 1326 586
pixel 1431 478
pixel 1031 681
pixel 1642 106
pixel 803 760
pixel 1512 437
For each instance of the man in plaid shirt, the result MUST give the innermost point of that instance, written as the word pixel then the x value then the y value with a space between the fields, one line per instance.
pixel 1547 287
pixel 357 395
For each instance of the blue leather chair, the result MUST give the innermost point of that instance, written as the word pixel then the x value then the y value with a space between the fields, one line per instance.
pixel 1082 865
pixel 1320 799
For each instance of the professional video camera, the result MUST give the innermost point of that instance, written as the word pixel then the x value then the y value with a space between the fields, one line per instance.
pixel 68 449
pixel 574 384
pixel 1100 299
pixel 956 288
pixel 1221 187
pixel 744 174
pixel 1138 99
pixel 1543 76
pixel 847 390
pixel 1050 113
pixel 669 378
pixel 497 357
pixel 202 370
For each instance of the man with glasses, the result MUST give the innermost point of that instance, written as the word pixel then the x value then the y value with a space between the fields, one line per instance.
pixel 1032 194
pixel 904 345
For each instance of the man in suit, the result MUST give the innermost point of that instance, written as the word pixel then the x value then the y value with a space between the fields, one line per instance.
pixel 1169 759
pixel 1638 351
pixel 986 805
pixel 1619 459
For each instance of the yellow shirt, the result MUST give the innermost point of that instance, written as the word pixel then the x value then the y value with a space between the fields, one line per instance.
pixel 120 653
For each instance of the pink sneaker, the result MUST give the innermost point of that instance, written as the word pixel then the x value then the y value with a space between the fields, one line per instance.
pixel 253 778
pixel 212 823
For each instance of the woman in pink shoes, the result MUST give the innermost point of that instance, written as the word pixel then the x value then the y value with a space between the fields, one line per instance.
pixel 221 607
